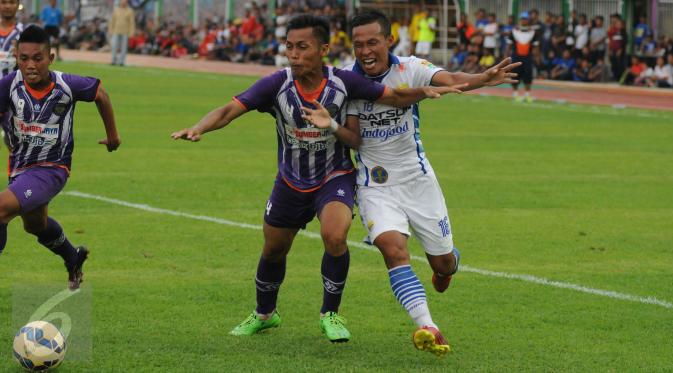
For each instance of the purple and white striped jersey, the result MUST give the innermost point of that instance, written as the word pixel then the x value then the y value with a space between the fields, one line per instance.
pixel 7 44
pixel 308 156
pixel 39 129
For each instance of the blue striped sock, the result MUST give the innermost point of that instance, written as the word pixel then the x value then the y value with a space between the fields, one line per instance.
pixel 410 294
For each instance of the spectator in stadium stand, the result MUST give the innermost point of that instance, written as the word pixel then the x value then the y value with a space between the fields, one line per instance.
pixel 535 23
pixel 413 26
pixel 634 74
pixel 505 34
pixel 641 31
pixel 480 19
pixel 490 34
pixel 251 29
pixel 581 72
pixel 563 66
pixel 558 35
pixel 471 64
pixel 599 72
pixel 427 27
pixel 122 26
pixel 597 37
pixel 281 22
pixel 546 34
pixel 465 29
pixel 581 34
pixel 487 59
pixel 403 47
pixel 457 58
pixel 339 43
pixel 617 39
pixel 52 18
pixel 660 75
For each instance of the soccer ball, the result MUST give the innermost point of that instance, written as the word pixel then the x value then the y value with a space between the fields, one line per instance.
pixel 39 346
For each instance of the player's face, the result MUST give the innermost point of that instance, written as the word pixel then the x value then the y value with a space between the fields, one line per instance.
pixel 305 51
pixel 34 60
pixel 8 8
pixel 371 48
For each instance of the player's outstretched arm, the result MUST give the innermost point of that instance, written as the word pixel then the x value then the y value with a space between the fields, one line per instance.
pixel 214 120
pixel 403 97
pixel 104 106
pixel 498 74
pixel 321 118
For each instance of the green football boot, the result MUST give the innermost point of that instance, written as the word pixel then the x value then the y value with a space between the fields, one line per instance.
pixel 253 324
pixel 334 327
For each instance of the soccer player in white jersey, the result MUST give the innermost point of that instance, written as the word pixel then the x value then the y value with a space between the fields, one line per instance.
pixel 315 172
pixel 397 187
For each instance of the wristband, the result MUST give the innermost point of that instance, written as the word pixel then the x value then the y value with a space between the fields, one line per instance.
pixel 334 126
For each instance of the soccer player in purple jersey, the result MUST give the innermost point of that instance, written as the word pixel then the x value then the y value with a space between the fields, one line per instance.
pixel 41 105
pixel 10 29
pixel 315 171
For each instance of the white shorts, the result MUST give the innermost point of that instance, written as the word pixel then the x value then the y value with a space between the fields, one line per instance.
pixel 419 203
pixel 423 48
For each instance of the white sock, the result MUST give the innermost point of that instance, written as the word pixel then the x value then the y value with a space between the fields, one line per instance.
pixel 421 315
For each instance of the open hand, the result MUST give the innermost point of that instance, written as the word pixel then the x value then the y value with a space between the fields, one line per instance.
pixel 501 73
pixel 187 134
pixel 318 117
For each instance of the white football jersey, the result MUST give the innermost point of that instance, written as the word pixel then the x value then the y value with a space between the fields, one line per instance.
pixel 391 150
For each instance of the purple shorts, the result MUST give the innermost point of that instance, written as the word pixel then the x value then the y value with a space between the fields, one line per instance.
pixel 36 186
pixel 290 208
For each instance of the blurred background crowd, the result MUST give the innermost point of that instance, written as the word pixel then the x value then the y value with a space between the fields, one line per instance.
pixel 601 48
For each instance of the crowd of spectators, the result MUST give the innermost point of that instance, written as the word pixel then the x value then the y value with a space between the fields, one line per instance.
pixel 578 49
pixel 255 37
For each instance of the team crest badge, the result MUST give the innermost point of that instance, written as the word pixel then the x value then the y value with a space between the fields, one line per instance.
pixel 379 175
pixel 59 108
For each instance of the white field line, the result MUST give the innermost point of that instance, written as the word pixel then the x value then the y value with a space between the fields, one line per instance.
pixel 463 268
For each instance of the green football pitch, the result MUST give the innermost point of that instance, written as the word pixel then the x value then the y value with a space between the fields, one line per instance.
pixel 564 217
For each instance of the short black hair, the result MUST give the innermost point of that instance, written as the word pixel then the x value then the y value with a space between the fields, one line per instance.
pixel 34 34
pixel 320 26
pixel 370 16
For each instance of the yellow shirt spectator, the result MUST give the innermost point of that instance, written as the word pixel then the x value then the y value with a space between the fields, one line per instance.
pixel 487 61
pixel 413 27
pixel 340 38
pixel 426 29
pixel 394 28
